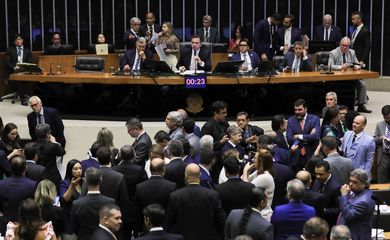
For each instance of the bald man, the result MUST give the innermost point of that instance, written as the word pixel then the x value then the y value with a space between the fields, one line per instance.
pixel 195 204
pixel 314 199
pixel 359 146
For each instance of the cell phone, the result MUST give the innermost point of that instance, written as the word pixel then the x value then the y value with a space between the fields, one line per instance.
pixel 296 142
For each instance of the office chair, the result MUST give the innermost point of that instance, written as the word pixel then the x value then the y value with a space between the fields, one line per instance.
pixel 322 59
pixel 89 64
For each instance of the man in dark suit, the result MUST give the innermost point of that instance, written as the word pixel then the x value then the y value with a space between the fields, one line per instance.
pixel 48 151
pixel 303 130
pixel 207 159
pixel 250 133
pixel 327 184
pixel 132 35
pixel 264 37
pixel 174 170
pixel 15 189
pixel 149 29
pixel 198 205
pixel 134 58
pixel 41 115
pixel 382 141
pixel 109 223
pixel 142 141
pixel 235 137
pixel 288 219
pixel 297 61
pixel 256 225
pixel 234 193
pixel 356 205
pixel 17 54
pixel 85 210
pixel 280 155
pixel 252 60
pixel 34 170
pixel 287 35
pixel 327 31
pixel 208 33
pixel 279 125
pixel 196 58
pixel 92 160
pixel 154 215
pixel 311 198
pixel 113 185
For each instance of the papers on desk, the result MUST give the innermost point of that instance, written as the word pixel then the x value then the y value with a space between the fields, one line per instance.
pixel 190 72
pixel 381 233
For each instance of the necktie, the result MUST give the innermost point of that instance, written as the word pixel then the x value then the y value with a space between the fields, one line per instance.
pixel 303 152
pixel 354 138
pixel 296 65
pixel 19 52
pixel 40 120
pixel 137 63
pixel 321 188
pixel 193 63
pixel 206 35
pixel 150 29
pixel 344 59
pixel 388 131
pixel 353 38
pixel 326 34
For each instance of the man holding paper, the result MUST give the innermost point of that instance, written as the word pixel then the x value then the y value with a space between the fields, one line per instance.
pixel 196 58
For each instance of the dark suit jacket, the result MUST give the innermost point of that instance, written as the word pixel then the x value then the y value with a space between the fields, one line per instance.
pixel 141 147
pixel 101 234
pixel 262 39
pixel 54 214
pixel 316 200
pixel 13 191
pixel 186 55
pixel 160 235
pixel 282 156
pixel 281 141
pixel 283 174
pixel 252 130
pixel 11 58
pixel 47 157
pixel 53 119
pixel 5 168
pixel 304 66
pixel 129 58
pixel 34 171
pixel 234 194
pixel 356 213
pixel 257 226
pixel 130 43
pixel 174 171
pixel 213 34
pixel 199 206
pixel 216 129
pixel 205 180
pixel 310 141
pixel 90 162
pixel 335 33
pixel 228 146
pixel 279 38
pixel 144 28
pixel 255 59
pixel 362 45
pixel 85 214
pixel 288 219
pixel 331 192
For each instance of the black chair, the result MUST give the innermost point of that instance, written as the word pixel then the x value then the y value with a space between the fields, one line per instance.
pixel 279 62
pixel 89 64
pixel 322 59
pixel 219 48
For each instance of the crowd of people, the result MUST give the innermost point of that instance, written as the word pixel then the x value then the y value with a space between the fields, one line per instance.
pixel 216 181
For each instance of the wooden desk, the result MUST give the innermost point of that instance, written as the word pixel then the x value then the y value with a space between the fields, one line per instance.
pixel 107 78
pixel 380 186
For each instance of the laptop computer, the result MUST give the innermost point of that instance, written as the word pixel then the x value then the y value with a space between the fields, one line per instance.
pixel 228 67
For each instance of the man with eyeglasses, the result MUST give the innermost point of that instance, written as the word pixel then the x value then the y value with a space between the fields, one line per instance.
pixel 342 58
pixel 251 59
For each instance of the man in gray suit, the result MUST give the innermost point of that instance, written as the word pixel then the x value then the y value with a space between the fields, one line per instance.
pixel 343 58
pixel 339 166
pixel 382 140
pixel 359 146
pixel 255 225
pixel 208 33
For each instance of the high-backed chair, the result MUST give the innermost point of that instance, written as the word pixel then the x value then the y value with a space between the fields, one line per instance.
pixel 89 64
pixel 279 62
pixel 322 58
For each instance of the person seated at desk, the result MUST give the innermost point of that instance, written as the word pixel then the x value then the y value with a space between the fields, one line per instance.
pixel 252 60
pixel 101 39
pixel 14 55
pixel 132 35
pixel 134 58
pixel 342 58
pixel 297 61
pixel 170 42
pixel 196 58
pixel 238 34
pixel 56 39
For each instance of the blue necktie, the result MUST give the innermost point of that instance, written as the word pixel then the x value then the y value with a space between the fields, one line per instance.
pixel 19 51
pixel 137 63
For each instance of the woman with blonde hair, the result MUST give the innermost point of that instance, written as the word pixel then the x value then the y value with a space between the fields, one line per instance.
pixel 262 177
pixel 171 48
pixel 106 139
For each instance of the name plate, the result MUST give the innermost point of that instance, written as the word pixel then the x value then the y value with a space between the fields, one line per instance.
pixel 195 81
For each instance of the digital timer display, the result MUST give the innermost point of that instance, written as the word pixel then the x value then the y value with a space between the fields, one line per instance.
pixel 197 81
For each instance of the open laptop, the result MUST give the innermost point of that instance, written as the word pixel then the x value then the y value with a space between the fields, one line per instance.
pixel 228 67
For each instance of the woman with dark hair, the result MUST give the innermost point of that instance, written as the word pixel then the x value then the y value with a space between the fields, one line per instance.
pixel 262 177
pixel 249 221
pixel 238 33
pixel 10 139
pixel 70 189
pixel 31 225
pixel 331 125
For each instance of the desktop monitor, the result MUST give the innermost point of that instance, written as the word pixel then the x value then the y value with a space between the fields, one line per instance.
pixel 320 46
pixel 157 66
pixel 53 50
pixel 266 68
pixel 228 66
pixel 67 49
